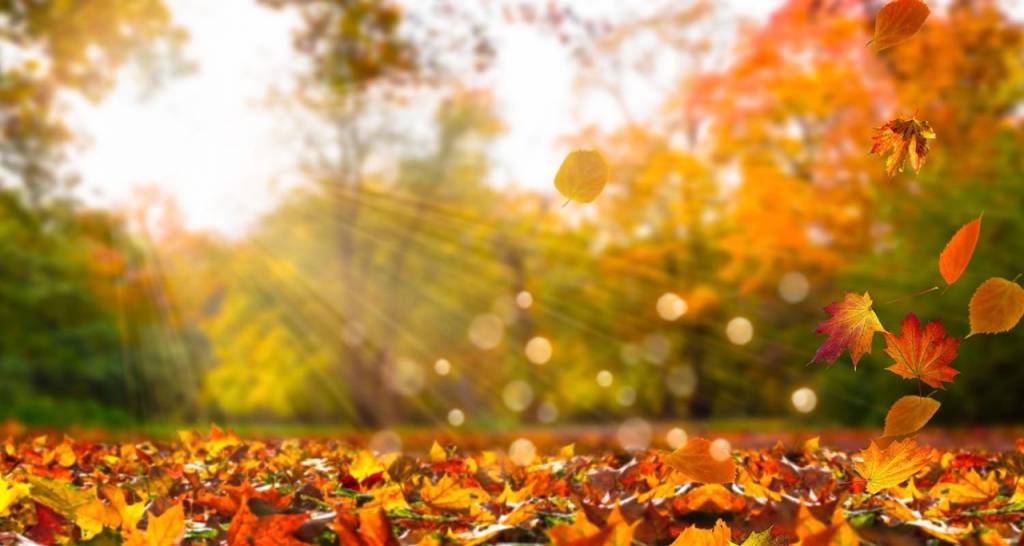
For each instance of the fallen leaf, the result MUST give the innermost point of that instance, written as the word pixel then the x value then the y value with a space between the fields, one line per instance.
pixel 11 493
pixel 249 529
pixel 892 466
pixel 969 489
pixel 448 494
pixel 957 254
pixel 582 176
pixel 695 536
pixel 903 139
pixel 852 326
pixel 168 528
pixel 909 415
pixel 364 528
pixel 897 22
pixel 996 306
pixel 695 461
pixel 922 354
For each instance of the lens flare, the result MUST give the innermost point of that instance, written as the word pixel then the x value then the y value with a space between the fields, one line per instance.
pixel 676 438
pixel 605 378
pixel 442 366
pixel 538 350
pixel 670 306
pixel 486 331
pixel 385 441
pixel 524 299
pixel 739 331
pixel 720 449
pixel 793 287
pixel 518 395
pixel 625 396
pixel 547 413
pixel 804 400
pixel 634 434
pixel 456 417
pixel 522 452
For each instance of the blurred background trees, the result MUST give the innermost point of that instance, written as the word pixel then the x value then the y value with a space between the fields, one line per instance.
pixel 396 283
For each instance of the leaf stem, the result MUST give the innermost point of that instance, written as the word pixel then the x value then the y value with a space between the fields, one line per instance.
pixel 914 295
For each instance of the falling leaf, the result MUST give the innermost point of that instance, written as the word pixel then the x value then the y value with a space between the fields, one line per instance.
pixel 582 176
pixel 903 139
pixel 922 354
pixel 695 461
pixel 909 415
pixel 852 326
pixel 996 306
pixel 892 466
pixel 437 453
pixel 695 536
pixel 957 254
pixel 898 21
pixel 11 493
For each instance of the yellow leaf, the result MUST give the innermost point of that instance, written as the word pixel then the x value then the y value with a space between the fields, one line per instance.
pixel 970 489
pixel 448 494
pixel 582 176
pixel 437 453
pixel 93 516
pixel 567 452
pixel 364 465
pixel 892 466
pixel 909 414
pixel 168 528
pixel 11 493
pixel 59 496
pixel 996 306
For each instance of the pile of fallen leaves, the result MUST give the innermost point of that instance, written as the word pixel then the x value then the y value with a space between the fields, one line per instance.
pixel 220 489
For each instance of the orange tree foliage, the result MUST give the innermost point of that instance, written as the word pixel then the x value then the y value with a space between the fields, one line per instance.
pixel 222 490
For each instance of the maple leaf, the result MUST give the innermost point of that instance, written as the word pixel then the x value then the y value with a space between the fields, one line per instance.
pixel 909 414
pixel 448 494
pixel 897 22
pixel 903 139
pixel 249 529
pixel 996 306
pixel 852 326
pixel 957 254
pixel 695 460
pixel 922 354
pixel 969 489
pixel 582 176
pixel 364 528
pixel 897 463
pixel 580 533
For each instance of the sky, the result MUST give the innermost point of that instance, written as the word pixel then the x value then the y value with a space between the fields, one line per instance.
pixel 210 140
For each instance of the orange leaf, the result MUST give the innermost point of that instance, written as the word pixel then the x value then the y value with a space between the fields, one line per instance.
pixel 852 326
pixel 957 254
pixel 372 528
pixel 695 536
pixel 923 355
pixel 248 529
pixel 695 461
pixel 909 414
pixel 898 21
pixel 892 466
pixel 580 533
pixel 969 489
pixel 996 306
pixel 904 139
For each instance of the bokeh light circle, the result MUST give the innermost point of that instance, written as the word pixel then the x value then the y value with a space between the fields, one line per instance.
pixel 517 395
pixel 739 330
pixel 486 331
pixel 605 378
pixel 793 287
pixel 804 400
pixel 522 451
pixel 634 434
pixel 456 417
pixel 720 450
pixel 670 306
pixel 676 438
pixel 539 350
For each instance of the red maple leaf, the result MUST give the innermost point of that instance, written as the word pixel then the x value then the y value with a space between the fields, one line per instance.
pixel 852 326
pixel 922 354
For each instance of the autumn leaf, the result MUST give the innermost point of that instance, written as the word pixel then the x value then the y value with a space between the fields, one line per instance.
pixel 968 489
pixel 365 528
pixel 898 21
pixel 581 532
pixel 903 139
pixel 996 306
pixel 93 516
pixel 892 466
pixel 249 529
pixel 852 326
pixel 167 529
pixel 922 354
pixel 695 536
pixel 957 254
pixel 695 461
pixel 448 494
pixel 909 415
pixel 582 176
pixel 11 493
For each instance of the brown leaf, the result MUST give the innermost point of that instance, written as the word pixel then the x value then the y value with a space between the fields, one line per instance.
pixel 903 139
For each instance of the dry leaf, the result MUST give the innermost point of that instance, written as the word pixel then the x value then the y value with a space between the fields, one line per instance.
pixel 892 466
pixel 996 306
pixel 897 22
pixel 909 415
pixel 903 139
pixel 957 254
pixel 582 176
pixel 852 326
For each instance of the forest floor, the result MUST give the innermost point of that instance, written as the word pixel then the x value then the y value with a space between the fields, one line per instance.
pixel 574 486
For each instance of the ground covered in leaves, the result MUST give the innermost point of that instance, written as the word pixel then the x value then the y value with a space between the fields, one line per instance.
pixel 219 489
